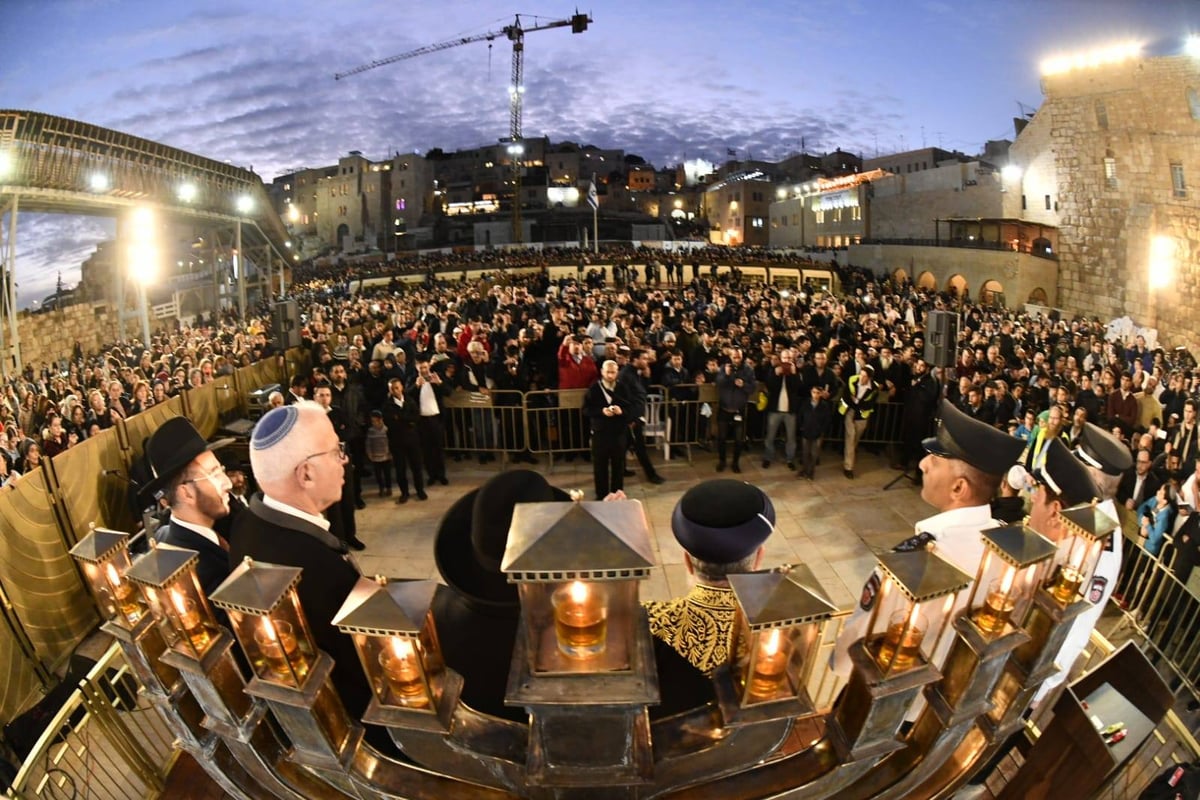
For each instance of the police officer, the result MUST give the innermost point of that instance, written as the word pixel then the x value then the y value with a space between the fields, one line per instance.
pixel 1104 458
pixel 961 472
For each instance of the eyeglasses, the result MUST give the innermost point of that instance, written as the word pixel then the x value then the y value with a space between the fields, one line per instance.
pixel 210 475
pixel 340 451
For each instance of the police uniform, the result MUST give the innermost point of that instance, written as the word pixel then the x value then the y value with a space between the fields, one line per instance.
pixel 718 522
pixel 953 534
pixel 1104 452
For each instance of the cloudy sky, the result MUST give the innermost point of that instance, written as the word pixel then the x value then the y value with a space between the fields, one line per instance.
pixel 251 82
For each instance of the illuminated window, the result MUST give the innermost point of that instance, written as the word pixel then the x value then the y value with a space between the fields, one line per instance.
pixel 1101 114
pixel 820 217
pixel 1178 185
pixel 856 213
pixel 1110 171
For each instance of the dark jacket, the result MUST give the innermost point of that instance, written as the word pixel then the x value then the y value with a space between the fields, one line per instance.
pixel 401 422
pixel 594 403
pixel 814 420
pixel 213 567
pixel 734 397
pixel 272 537
pixel 792 384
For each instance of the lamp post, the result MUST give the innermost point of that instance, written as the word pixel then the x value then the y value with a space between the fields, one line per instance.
pixel 143 261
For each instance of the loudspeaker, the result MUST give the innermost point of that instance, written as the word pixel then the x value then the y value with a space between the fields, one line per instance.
pixel 941 338
pixel 285 324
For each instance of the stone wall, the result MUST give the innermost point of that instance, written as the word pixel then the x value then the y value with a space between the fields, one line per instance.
pixel 1018 274
pixel 1138 114
pixel 47 337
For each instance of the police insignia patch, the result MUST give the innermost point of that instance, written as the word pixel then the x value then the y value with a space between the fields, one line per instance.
pixel 870 591
pixel 1097 590
pixel 919 542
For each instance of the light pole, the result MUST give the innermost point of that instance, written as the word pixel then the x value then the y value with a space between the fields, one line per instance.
pixel 143 262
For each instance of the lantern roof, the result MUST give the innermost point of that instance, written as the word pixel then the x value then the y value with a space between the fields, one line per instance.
pixel 381 608
pixel 551 542
pixel 1019 545
pixel 923 575
pixel 789 595
pixel 255 587
pixel 1088 521
pixel 161 565
pixel 100 545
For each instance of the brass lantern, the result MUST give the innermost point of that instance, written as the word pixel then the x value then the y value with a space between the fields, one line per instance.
pixel 781 619
pixel 916 597
pixel 1086 527
pixel 393 631
pixel 104 555
pixel 167 576
pixel 1016 561
pixel 264 611
pixel 577 567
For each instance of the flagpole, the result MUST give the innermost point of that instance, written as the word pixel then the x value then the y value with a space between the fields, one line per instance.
pixel 595 221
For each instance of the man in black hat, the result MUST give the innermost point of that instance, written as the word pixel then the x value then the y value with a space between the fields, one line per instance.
pixel 478 610
pixel 721 525
pixel 961 472
pixel 186 473
pixel 606 405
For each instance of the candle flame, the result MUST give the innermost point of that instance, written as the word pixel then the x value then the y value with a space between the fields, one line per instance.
pixel 402 647
pixel 578 591
pixel 771 645
pixel 269 629
pixel 1006 583
pixel 178 600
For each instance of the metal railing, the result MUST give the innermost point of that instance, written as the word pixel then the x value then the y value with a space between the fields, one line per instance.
pixel 107 741
pixel 552 423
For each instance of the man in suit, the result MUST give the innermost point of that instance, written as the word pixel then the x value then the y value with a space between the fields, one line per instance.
pixel 428 390
pixel 1138 484
pixel 341 514
pixel 605 405
pixel 401 416
pixel 299 464
pixel 188 475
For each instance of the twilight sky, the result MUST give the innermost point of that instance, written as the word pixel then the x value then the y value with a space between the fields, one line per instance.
pixel 252 82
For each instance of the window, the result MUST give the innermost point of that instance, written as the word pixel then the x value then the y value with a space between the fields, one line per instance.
pixel 820 217
pixel 756 222
pixel 1101 114
pixel 1047 202
pixel 1178 185
pixel 856 213
pixel 1110 172
pixel 1024 204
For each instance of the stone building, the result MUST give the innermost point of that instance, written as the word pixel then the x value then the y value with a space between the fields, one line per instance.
pixel 1109 156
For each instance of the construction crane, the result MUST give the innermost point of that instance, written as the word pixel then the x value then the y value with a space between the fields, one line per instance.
pixel 515 33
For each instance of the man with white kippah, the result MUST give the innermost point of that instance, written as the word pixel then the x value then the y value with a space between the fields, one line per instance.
pixel 299 464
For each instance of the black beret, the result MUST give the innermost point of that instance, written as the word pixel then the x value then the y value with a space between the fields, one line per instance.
pixel 960 436
pixel 722 521
pixel 1100 449
pixel 1065 475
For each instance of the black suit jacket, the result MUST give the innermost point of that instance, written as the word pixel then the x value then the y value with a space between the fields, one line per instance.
pixel 272 537
pixel 1129 482
pixel 214 561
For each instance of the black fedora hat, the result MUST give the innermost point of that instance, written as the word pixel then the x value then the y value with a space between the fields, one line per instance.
pixel 472 534
pixel 169 450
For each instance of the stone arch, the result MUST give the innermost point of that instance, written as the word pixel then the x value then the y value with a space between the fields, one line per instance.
pixel 1038 296
pixel 958 285
pixel 343 232
pixel 1041 247
pixel 991 293
pixel 900 275
pixel 926 280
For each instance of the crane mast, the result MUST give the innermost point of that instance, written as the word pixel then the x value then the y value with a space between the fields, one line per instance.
pixel 515 33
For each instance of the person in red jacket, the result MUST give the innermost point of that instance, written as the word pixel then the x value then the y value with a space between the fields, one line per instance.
pixel 576 370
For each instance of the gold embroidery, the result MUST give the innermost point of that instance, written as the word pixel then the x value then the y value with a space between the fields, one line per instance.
pixel 699 626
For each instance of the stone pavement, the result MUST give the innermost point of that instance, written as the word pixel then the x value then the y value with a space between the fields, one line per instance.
pixel 832 524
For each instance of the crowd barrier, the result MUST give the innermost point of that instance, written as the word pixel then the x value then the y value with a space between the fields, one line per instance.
pixel 45 611
pixel 552 423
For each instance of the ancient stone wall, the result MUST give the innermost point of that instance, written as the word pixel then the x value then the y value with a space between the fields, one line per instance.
pixel 47 337
pixel 1116 131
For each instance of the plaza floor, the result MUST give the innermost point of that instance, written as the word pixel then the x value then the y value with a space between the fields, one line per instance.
pixel 833 524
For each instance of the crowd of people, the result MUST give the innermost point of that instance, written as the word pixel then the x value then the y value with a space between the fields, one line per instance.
pixel 787 365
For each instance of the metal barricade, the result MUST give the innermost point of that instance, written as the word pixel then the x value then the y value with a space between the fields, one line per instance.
pixel 555 423
pixel 107 741
pixel 485 424
pixel 691 414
